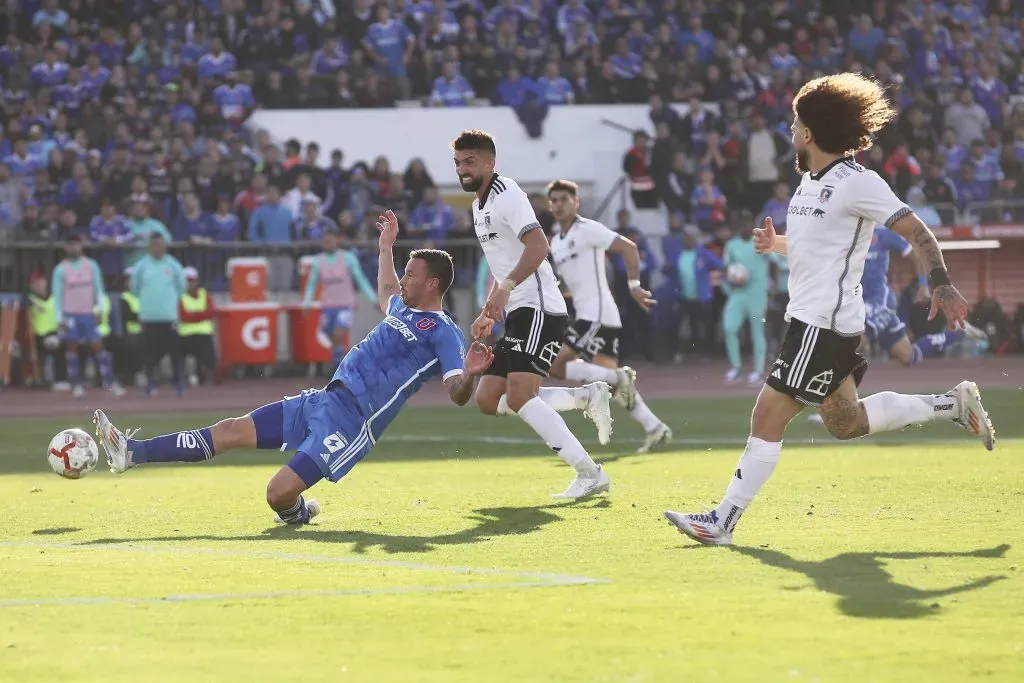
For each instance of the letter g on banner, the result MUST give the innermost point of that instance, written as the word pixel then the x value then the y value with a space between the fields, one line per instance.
pixel 256 333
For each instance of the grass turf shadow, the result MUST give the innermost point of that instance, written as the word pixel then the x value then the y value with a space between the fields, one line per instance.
pixel 487 523
pixel 865 589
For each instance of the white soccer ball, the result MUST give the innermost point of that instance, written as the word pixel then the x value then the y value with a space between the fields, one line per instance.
pixel 73 454
pixel 737 274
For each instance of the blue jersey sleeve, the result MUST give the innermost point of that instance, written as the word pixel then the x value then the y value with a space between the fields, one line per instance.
pixel 450 347
pixel 394 303
pixel 897 244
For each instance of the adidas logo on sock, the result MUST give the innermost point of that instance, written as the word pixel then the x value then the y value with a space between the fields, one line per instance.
pixel 739 473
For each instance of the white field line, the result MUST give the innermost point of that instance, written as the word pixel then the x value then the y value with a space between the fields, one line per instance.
pixel 824 440
pixel 521 579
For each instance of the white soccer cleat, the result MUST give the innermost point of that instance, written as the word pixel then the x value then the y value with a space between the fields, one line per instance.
pixel 312 507
pixel 116 390
pixel 754 378
pixel 584 487
pixel 119 458
pixel 625 388
pixel 78 391
pixel 816 419
pixel 656 437
pixel 599 410
pixel 973 416
pixel 700 527
pixel 733 376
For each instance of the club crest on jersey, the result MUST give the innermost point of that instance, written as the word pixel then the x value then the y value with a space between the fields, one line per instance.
pixel 826 194
pixel 425 324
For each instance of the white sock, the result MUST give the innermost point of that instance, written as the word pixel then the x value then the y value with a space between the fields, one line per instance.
pixel 562 399
pixel 888 411
pixel 550 426
pixel 755 466
pixel 642 414
pixel 584 372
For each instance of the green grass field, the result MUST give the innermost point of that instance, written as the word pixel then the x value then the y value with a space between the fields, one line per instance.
pixel 442 558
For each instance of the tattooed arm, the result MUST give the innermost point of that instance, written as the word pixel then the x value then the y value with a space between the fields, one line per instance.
pixel 387 277
pixel 945 297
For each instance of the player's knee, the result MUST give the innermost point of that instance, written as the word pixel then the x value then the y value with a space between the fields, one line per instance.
pixel 487 403
pixel 234 432
pixel 844 419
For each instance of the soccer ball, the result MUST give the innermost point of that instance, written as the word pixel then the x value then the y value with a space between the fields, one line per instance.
pixel 737 274
pixel 73 454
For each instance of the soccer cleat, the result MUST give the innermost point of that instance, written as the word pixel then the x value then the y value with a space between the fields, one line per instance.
pixel 656 437
pixel 973 416
pixel 700 527
pixel 117 390
pixel 78 391
pixel 586 486
pixel 625 388
pixel 754 378
pixel 312 507
pixel 733 376
pixel 119 458
pixel 599 410
pixel 816 419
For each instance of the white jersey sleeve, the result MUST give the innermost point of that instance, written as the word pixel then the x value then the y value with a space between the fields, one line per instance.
pixel 516 212
pixel 869 196
pixel 598 235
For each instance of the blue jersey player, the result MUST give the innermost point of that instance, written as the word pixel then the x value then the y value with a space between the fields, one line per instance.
pixel 333 428
pixel 882 323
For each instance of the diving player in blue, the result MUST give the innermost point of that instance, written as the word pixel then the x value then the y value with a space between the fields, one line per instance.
pixel 333 428
pixel 882 323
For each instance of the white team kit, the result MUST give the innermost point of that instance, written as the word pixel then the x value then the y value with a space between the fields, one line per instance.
pixel 580 260
pixel 831 220
pixel 536 314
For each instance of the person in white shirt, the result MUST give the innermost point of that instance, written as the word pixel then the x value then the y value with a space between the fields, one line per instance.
pixel 300 194
pixel 831 220
pixel 526 298
pixel 591 349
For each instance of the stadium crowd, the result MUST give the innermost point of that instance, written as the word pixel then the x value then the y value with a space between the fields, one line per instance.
pixel 124 119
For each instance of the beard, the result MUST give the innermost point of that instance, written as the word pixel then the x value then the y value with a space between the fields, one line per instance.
pixel 803 162
pixel 473 184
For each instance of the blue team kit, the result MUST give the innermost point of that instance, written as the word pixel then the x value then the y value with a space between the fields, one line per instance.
pixel 882 322
pixel 80 329
pixel 335 427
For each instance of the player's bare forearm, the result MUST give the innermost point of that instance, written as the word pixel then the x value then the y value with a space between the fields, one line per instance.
pixel 779 245
pixel 460 388
pixel 536 243
pixel 387 278
pixel 630 254
pixel 922 239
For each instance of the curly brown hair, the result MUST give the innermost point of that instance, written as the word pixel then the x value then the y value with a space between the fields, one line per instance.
pixel 843 112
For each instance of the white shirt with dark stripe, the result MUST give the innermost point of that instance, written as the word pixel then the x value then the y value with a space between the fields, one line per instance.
pixel 831 219
pixel 579 256
pixel 501 219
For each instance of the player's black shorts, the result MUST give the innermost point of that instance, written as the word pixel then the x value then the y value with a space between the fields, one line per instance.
pixel 589 339
pixel 813 362
pixel 532 340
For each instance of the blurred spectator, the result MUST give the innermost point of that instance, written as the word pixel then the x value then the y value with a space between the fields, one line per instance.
pixel 917 201
pixel 762 154
pixel 432 219
pixel 196 313
pixel 695 265
pixel 417 180
pixel 967 119
pixel 707 202
pixel 451 89
pixel 310 225
pixel 636 165
pixel 300 194
pixel 777 208
pixel 271 222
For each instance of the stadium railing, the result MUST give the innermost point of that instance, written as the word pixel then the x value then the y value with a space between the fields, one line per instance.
pixel 19 261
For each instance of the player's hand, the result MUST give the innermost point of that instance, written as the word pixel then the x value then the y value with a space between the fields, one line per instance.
pixel 496 302
pixel 478 359
pixel 947 299
pixel 642 297
pixel 482 327
pixel 387 225
pixel 764 237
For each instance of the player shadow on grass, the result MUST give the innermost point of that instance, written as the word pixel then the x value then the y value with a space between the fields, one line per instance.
pixel 488 523
pixel 864 587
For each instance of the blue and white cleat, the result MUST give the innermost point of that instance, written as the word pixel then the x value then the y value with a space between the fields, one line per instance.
pixel 702 527
pixel 312 507
pixel 114 442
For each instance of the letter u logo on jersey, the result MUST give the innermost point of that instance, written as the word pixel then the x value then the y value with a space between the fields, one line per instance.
pixel 425 324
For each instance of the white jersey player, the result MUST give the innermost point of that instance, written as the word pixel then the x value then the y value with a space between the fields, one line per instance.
pixel 526 297
pixel 578 249
pixel 831 220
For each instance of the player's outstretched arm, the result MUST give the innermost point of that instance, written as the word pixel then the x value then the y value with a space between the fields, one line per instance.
pixel 631 255
pixel 536 243
pixel 945 296
pixel 460 387
pixel 387 277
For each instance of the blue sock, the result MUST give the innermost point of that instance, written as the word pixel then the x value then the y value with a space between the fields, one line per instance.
pixel 192 446
pixel 72 363
pixel 296 514
pixel 338 354
pixel 106 367
pixel 916 354
pixel 932 345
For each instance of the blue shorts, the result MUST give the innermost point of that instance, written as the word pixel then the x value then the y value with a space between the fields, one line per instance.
pixel 882 323
pixel 80 329
pixel 327 427
pixel 335 318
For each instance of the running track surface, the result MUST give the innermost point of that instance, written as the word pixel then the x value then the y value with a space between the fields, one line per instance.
pixel 655 381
